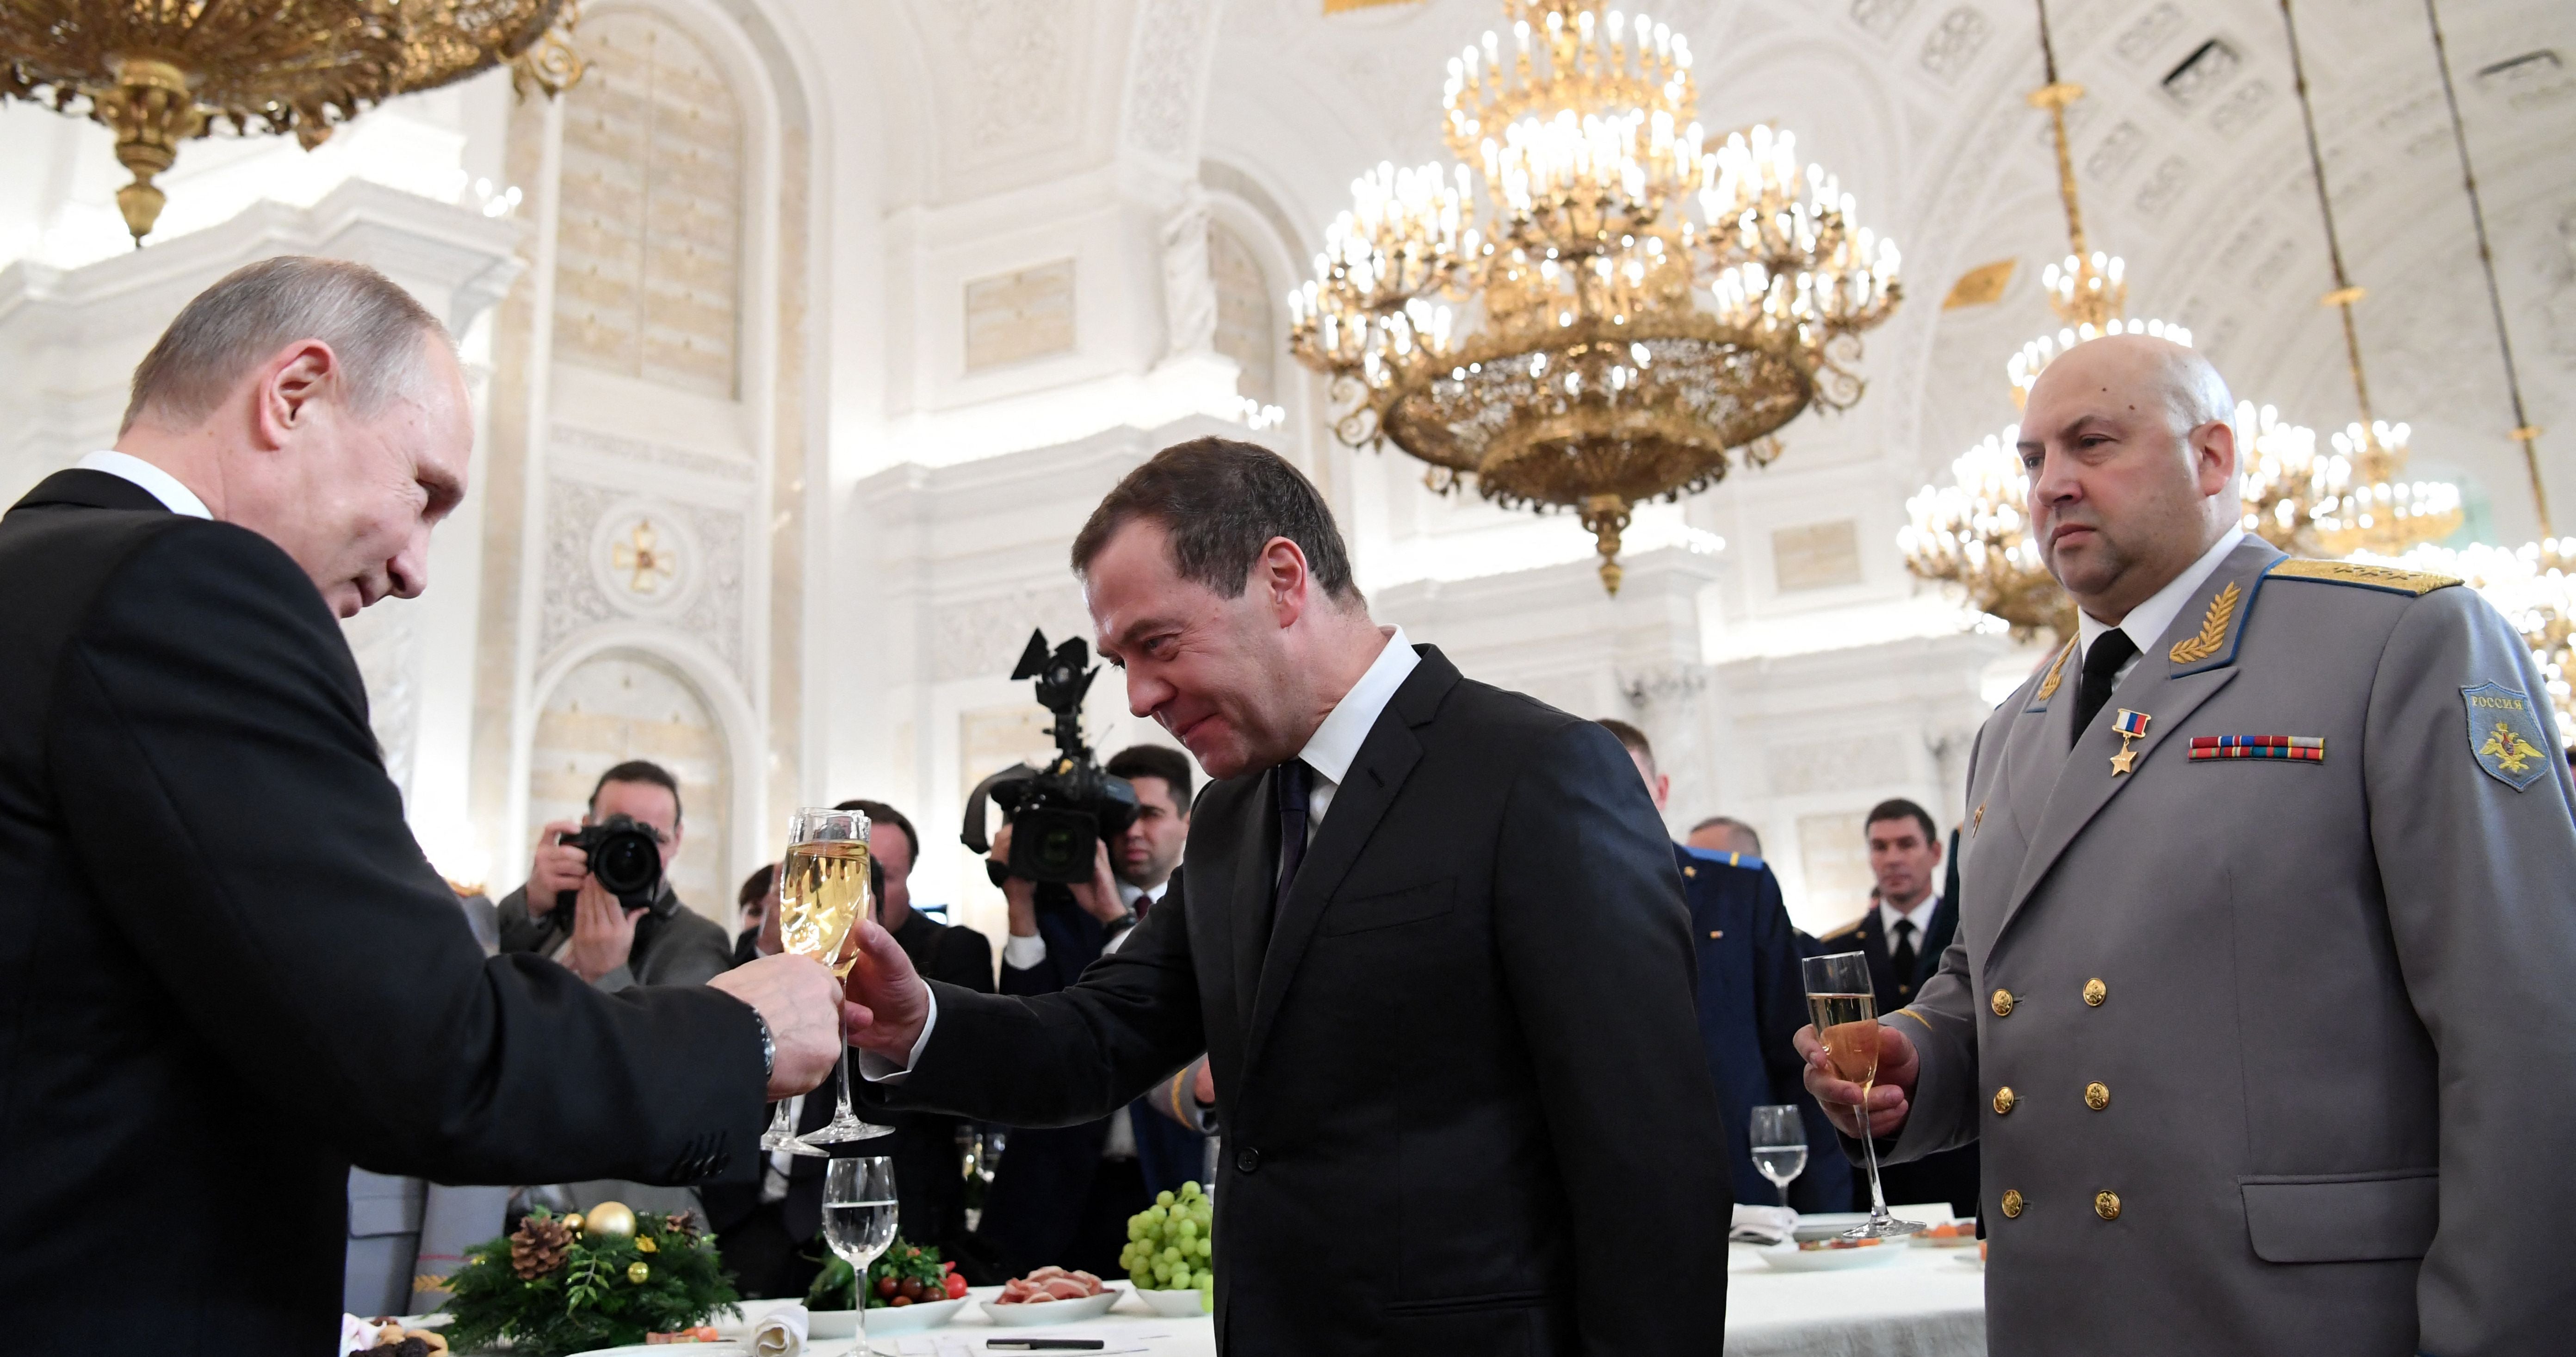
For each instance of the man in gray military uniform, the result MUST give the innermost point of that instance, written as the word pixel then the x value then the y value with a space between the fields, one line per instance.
pixel 2265 938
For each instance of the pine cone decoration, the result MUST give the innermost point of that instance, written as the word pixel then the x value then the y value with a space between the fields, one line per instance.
pixel 682 1223
pixel 537 1247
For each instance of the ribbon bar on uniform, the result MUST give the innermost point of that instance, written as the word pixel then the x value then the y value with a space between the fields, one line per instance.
pixel 2300 748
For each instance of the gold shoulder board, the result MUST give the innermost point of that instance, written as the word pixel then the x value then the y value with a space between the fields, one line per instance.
pixel 2366 576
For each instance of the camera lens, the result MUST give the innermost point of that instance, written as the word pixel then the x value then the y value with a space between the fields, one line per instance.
pixel 627 863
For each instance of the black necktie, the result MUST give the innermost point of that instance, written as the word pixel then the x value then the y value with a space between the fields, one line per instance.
pixel 2102 663
pixel 1900 958
pixel 1289 781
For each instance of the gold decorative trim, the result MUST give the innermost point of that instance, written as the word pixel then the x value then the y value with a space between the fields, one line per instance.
pixel 2213 628
pixel 1910 1013
pixel 2417 582
pixel 2056 674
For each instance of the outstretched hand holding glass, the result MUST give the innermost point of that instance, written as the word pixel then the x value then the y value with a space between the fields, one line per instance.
pixel 1844 1005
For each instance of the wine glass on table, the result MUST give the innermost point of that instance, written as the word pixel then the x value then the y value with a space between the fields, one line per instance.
pixel 823 892
pixel 1844 1005
pixel 1779 1146
pixel 859 1221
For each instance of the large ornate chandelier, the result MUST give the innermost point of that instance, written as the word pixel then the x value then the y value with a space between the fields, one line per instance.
pixel 160 72
pixel 1546 320
pixel 2364 503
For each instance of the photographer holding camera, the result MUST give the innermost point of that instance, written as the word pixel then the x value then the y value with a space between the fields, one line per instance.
pixel 598 899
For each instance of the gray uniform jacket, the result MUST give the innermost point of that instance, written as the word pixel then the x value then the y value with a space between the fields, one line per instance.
pixel 2266 1054
pixel 676 947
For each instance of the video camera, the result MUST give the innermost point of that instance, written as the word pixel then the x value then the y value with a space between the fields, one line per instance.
pixel 625 858
pixel 1058 813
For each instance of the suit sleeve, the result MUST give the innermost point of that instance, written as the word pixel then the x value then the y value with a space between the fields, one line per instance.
pixel 1594 939
pixel 1942 1024
pixel 1779 993
pixel 2478 881
pixel 1071 1056
pixel 219 784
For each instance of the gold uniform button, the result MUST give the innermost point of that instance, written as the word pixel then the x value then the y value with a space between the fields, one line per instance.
pixel 2004 1100
pixel 2106 1205
pixel 2095 992
pixel 2097 1096
pixel 2012 1203
pixel 2003 1002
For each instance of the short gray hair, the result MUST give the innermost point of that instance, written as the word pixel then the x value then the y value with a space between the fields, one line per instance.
pixel 374 328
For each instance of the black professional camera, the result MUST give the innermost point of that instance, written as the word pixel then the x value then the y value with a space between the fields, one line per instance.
pixel 1056 814
pixel 625 856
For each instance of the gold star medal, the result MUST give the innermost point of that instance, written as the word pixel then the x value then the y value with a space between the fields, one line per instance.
pixel 2131 725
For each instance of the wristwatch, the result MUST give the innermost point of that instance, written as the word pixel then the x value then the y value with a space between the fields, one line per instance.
pixel 768 1047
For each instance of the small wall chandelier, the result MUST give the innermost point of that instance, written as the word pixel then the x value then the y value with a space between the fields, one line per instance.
pixel 1546 320
pixel 160 72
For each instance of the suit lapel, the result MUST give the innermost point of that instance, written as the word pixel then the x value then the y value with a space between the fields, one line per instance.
pixel 1386 758
pixel 2189 663
pixel 1255 868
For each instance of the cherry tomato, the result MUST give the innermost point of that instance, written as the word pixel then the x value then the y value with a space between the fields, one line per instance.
pixel 956 1286
pixel 886 1286
pixel 900 1300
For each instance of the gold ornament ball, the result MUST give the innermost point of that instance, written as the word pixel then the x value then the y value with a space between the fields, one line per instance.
pixel 614 1220
pixel 637 1272
pixel 572 1220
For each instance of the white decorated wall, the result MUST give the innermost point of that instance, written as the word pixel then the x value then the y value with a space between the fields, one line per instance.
pixel 805 334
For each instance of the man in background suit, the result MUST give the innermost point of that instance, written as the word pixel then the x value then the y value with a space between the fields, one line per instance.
pixel 563 912
pixel 1064 1194
pixel 1904 933
pixel 2263 936
pixel 230 972
pixel 1453 1123
pixel 1752 1001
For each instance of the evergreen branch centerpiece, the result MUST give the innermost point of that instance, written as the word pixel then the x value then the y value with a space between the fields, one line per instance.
pixel 572 1283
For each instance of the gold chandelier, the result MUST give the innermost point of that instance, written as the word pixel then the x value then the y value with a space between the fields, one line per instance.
pixel 160 72
pixel 1569 337
pixel 2364 503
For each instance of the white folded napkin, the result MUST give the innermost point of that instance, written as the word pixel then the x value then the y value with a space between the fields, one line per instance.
pixel 356 1335
pixel 1762 1224
pixel 781 1332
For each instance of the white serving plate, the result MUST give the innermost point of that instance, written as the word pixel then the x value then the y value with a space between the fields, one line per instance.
pixel 1183 1304
pixel 1025 1315
pixel 727 1348
pixel 893 1319
pixel 1791 1258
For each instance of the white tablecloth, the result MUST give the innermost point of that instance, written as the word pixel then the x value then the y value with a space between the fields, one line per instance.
pixel 1926 1303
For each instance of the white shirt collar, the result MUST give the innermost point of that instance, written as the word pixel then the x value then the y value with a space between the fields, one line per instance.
pixel 1129 895
pixel 1921 915
pixel 1336 743
pixel 162 486
pixel 2146 622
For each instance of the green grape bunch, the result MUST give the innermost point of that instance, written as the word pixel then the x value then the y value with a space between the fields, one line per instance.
pixel 1171 1245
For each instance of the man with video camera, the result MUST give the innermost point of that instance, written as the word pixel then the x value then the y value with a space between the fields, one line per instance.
pixel 602 905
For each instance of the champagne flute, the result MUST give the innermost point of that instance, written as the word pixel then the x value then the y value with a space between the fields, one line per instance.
pixel 1844 1005
pixel 859 1221
pixel 1779 1146
pixel 823 892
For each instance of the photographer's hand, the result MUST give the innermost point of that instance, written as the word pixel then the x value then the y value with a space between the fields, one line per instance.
pixel 1019 894
pixel 1099 896
pixel 603 932
pixel 885 1002
pixel 558 868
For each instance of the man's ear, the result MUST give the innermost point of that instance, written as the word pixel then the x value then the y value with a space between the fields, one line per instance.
pixel 1281 571
pixel 2213 456
pixel 288 386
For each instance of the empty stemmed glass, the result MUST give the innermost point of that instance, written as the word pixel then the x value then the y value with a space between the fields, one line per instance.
pixel 859 1221
pixel 1844 1006
pixel 1779 1146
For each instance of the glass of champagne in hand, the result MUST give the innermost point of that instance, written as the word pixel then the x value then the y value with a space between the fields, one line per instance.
pixel 823 892
pixel 859 1219
pixel 1844 1005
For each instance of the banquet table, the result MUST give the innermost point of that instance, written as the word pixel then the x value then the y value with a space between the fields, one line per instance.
pixel 1925 1303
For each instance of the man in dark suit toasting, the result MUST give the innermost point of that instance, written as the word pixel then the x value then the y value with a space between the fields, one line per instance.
pixel 1430 935
pixel 226 971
